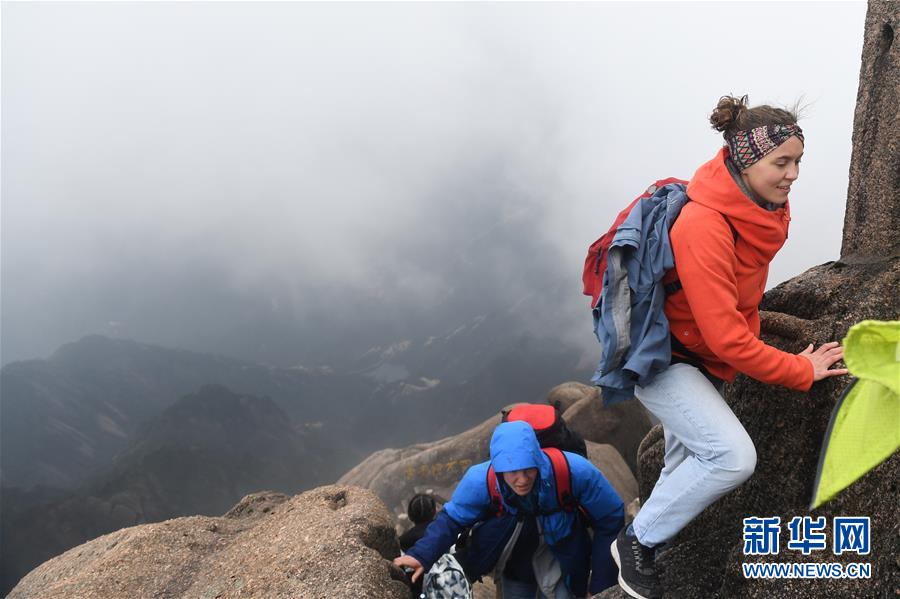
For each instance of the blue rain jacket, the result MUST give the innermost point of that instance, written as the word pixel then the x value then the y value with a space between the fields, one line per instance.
pixel 515 447
pixel 630 320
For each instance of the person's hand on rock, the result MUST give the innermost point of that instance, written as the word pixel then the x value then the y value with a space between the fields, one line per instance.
pixel 408 561
pixel 823 358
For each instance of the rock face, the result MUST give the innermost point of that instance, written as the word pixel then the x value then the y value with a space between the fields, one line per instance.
pixel 872 223
pixel 395 475
pixel 330 542
pixel 622 425
pixel 787 428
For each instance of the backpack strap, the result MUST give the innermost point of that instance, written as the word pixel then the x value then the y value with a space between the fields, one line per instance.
pixel 563 478
pixel 494 493
pixel 686 356
pixel 675 286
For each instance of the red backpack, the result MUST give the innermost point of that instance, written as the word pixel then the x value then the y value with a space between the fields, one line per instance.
pixel 595 263
pixel 554 437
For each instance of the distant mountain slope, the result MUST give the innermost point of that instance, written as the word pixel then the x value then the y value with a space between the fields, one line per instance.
pixel 411 411
pixel 64 416
pixel 204 452
pixel 459 350
pixel 200 456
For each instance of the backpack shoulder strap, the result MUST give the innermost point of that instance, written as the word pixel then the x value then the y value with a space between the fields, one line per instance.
pixel 675 286
pixel 563 478
pixel 496 501
pixel 567 500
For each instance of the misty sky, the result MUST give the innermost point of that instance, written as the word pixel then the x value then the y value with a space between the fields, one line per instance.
pixel 215 175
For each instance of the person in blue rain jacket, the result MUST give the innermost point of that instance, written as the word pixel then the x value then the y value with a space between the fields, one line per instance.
pixel 531 520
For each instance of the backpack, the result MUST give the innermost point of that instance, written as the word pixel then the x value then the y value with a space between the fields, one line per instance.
pixel 549 426
pixel 554 437
pixel 595 262
pixel 626 360
pixel 446 580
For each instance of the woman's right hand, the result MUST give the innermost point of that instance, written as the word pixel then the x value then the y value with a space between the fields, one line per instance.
pixel 823 358
pixel 409 561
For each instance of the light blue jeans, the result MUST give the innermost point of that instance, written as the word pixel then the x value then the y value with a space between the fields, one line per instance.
pixel 708 452
pixel 513 589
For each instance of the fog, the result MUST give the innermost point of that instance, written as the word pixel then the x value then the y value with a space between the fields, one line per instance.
pixel 279 180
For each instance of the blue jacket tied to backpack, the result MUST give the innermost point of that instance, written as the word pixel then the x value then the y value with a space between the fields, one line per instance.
pixel 629 319
pixel 515 447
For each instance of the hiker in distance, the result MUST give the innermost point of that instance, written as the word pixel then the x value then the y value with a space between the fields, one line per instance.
pixel 735 221
pixel 422 510
pixel 536 547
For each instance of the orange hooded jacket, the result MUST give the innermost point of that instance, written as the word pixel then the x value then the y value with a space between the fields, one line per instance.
pixel 716 315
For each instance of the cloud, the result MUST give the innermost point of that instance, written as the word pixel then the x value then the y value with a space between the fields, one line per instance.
pixel 202 173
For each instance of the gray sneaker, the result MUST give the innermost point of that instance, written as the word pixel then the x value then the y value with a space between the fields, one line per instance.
pixel 637 567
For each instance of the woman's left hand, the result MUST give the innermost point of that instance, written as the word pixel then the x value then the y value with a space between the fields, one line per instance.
pixel 823 358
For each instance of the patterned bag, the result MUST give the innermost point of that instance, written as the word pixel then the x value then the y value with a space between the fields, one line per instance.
pixel 446 580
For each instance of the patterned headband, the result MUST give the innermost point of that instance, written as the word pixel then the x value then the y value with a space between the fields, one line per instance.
pixel 748 146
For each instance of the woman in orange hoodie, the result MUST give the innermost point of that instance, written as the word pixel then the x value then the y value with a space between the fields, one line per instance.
pixel 723 241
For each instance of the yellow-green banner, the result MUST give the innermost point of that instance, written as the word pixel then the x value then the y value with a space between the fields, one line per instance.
pixel 865 424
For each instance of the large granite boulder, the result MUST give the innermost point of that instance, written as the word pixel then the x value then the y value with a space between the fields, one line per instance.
pixel 787 428
pixel 395 475
pixel 872 220
pixel 333 541
pixel 622 425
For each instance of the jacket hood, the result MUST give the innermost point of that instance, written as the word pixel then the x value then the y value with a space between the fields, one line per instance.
pixel 762 231
pixel 515 447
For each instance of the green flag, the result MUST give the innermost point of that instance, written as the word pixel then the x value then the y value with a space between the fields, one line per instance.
pixel 864 429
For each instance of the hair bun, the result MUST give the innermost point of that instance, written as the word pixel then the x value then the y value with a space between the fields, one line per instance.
pixel 727 112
